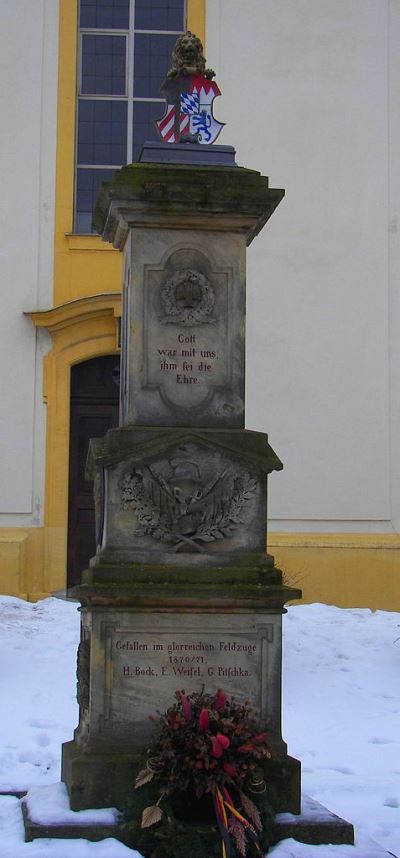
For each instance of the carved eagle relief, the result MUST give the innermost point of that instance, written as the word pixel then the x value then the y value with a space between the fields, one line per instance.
pixel 176 503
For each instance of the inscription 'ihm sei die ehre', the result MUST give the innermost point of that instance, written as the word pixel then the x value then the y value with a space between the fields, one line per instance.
pixel 190 360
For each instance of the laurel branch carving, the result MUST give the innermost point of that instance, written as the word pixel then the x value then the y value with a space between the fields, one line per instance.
pixel 182 508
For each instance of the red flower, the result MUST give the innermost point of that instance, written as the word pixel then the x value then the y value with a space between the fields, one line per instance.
pixel 230 769
pixel 245 749
pixel 220 700
pixel 223 740
pixel 262 737
pixel 217 749
pixel 204 721
pixel 187 710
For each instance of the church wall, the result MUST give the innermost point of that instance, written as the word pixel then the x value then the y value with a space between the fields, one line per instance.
pixel 309 99
pixel 28 38
pixel 310 96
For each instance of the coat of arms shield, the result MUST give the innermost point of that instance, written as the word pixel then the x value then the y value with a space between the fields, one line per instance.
pixel 190 116
pixel 189 92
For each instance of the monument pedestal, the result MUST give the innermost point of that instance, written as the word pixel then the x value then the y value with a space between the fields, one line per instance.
pixel 181 593
pixel 132 660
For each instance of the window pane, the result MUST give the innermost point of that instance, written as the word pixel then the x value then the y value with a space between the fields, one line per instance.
pixel 152 61
pixel 102 132
pixel 159 14
pixel 87 187
pixel 144 114
pixel 103 65
pixel 104 14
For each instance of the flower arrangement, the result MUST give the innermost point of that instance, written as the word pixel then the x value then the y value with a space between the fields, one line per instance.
pixel 211 745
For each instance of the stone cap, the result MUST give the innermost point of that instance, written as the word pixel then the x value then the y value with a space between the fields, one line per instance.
pixel 180 196
pixel 187 153
pixel 140 442
pixel 195 596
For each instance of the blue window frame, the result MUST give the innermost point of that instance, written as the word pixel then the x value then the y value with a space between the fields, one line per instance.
pixel 124 54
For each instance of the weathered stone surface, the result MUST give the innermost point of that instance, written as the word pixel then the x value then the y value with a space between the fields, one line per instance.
pixel 187 153
pixel 183 334
pixel 181 593
pixel 172 496
pixel 102 776
pixel 61 830
pixel 184 232
pixel 141 659
pixel 176 195
pixel 142 651
pixel 314 824
pixel 190 501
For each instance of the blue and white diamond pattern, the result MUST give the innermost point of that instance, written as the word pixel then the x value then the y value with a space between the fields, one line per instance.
pixel 190 103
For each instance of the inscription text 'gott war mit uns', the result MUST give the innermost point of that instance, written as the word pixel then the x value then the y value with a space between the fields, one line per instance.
pixel 193 362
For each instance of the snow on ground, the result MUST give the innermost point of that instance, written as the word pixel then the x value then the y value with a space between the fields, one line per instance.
pixel 341 707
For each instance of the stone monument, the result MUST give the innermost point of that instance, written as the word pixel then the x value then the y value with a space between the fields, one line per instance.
pixel 181 593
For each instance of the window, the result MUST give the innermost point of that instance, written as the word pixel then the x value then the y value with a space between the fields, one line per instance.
pixel 125 49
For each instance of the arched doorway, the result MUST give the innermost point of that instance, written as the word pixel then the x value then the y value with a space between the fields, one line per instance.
pixel 94 410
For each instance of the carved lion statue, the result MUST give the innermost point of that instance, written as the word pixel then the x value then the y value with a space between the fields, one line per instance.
pixel 188 59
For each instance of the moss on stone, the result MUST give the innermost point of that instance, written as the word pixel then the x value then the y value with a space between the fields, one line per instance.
pixel 176 188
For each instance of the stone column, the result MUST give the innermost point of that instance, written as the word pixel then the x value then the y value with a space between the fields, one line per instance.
pixel 181 592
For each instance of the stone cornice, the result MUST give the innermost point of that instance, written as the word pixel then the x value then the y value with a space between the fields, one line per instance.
pixel 184 197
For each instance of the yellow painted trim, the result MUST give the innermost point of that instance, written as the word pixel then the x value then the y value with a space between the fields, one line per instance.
pixel 344 569
pixel 196 18
pixel 79 310
pixel 334 540
pixel 78 241
pixel 82 329
pixel 76 272
pixel 65 142
pixel 21 561
pixel 361 572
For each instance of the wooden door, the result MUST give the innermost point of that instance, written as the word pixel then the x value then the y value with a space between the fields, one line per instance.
pixel 94 410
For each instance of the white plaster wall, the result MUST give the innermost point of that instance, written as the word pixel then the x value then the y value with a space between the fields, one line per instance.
pixel 28 109
pixel 394 253
pixel 305 98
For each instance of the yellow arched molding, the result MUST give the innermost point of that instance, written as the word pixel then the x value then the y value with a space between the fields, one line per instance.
pixel 83 264
pixel 81 330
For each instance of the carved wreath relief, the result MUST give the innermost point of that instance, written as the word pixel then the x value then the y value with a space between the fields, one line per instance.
pixel 187 299
pixel 176 502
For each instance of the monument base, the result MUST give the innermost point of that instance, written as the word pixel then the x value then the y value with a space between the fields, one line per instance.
pixel 106 779
pixel 137 651
pixel 315 825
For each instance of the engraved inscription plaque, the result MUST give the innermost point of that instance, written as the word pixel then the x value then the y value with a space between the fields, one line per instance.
pixel 183 345
pixel 149 661
pixel 187 341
